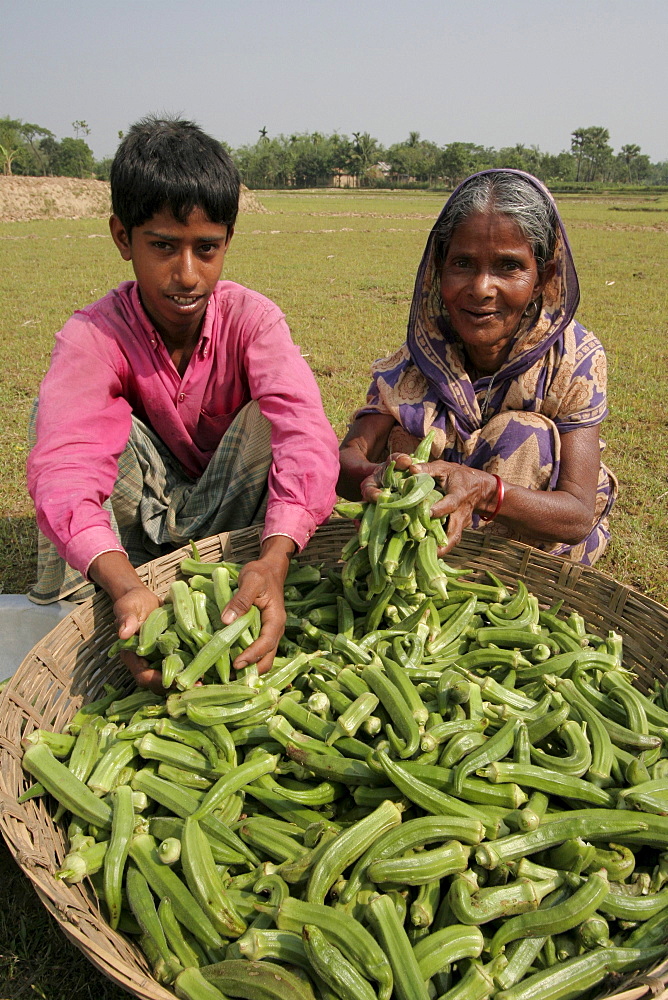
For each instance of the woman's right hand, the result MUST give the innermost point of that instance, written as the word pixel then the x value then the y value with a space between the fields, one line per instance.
pixel 361 456
pixel 371 488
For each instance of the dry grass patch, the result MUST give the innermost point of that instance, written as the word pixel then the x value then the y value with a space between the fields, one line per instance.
pixel 23 199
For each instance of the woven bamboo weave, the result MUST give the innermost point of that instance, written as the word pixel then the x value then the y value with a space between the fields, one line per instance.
pixel 70 665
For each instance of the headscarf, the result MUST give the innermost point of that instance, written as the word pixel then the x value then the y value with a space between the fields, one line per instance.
pixel 426 384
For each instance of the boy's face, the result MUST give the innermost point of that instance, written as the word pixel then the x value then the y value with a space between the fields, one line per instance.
pixel 177 266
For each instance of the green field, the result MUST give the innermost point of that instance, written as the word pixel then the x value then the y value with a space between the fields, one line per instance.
pixel 341 265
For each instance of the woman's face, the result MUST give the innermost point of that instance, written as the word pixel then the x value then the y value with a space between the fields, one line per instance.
pixel 488 279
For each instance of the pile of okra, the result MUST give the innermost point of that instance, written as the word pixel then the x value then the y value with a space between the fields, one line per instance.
pixel 440 789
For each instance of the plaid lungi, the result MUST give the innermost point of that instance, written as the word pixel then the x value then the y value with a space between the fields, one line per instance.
pixel 156 508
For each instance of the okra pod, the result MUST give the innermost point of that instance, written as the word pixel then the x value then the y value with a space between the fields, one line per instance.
pixel 409 983
pixel 495 748
pixel 183 802
pixel 83 862
pixel 191 985
pixel 202 879
pixel 65 786
pixel 345 932
pixel 208 654
pixel 484 905
pixel 165 882
pixel 414 833
pixel 144 909
pixel 347 847
pixel 122 825
pixel 448 945
pixel 421 868
pixel 550 782
pixel 176 939
pixel 557 919
pixel 576 823
pixel 431 799
pixel 577 975
pixel 332 966
pixel 234 780
pixel 256 980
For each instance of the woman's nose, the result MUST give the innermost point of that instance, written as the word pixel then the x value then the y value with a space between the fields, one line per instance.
pixel 482 283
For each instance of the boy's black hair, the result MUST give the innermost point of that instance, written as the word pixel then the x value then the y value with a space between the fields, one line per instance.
pixel 168 163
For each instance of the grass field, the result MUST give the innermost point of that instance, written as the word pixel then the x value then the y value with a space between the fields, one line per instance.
pixel 341 265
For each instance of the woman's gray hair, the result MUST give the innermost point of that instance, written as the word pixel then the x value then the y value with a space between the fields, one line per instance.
pixel 508 194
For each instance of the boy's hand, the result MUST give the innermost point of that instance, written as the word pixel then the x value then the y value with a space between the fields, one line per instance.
pixel 261 583
pixel 131 610
pixel 133 603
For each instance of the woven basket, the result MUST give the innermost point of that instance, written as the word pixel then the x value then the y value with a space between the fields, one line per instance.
pixel 69 666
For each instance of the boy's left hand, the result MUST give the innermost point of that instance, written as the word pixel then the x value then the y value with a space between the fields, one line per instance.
pixel 261 583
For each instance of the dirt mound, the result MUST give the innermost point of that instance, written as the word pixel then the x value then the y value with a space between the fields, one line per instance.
pixel 248 202
pixel 27 198
pixel 23 199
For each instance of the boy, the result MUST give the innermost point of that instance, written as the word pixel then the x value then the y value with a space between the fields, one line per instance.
pixel 177 406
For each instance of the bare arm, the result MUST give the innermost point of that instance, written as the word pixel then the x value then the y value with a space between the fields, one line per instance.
pixel 564 514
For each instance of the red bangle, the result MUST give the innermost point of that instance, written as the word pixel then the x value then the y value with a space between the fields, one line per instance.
pixel 500 493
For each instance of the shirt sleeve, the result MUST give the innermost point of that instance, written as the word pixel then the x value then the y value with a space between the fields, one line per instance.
pixel 305 458
pixel 83 424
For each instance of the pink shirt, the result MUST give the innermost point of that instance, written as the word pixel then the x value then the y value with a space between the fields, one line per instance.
pixel 109 362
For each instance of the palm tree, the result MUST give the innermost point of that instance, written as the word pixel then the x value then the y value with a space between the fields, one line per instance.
pixel 578 140
pixel 364 151
pixel 629 153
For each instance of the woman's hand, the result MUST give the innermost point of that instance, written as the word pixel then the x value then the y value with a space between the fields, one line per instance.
pixel 261 583
pixel 465 491
pixel 371 487
pixel 133 603
pixel 361 456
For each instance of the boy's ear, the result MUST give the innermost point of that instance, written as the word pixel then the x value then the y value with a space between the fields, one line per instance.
pixel 121 237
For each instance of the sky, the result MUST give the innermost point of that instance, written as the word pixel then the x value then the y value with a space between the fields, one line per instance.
pixel 483 71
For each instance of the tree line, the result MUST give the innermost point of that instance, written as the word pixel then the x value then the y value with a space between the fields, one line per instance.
pixel 313 159
pixel 26 148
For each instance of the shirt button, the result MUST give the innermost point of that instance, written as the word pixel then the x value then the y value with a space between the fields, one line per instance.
pixel 182 396
pixel 205 352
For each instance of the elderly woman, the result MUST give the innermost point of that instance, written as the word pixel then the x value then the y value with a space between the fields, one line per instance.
pixel 496 364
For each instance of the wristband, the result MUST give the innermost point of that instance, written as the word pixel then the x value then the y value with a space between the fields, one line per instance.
pixel 500 493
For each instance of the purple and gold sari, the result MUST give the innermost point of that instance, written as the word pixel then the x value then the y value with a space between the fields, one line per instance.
pixel 509 423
